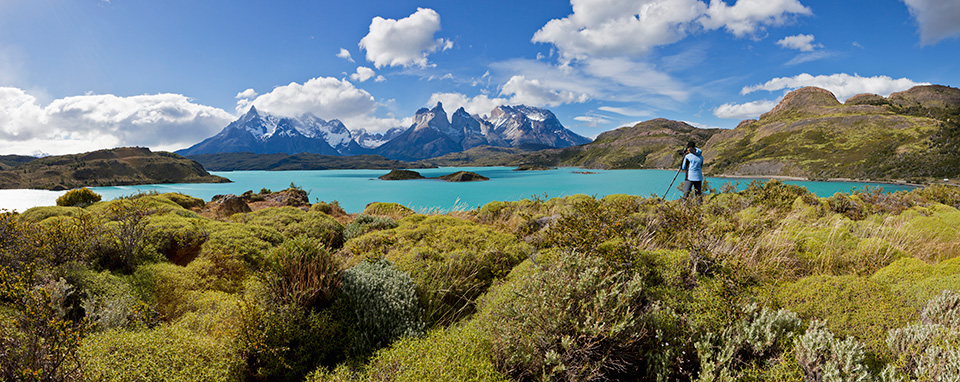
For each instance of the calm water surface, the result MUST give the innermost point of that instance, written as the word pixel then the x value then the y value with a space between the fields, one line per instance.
pixel 354 189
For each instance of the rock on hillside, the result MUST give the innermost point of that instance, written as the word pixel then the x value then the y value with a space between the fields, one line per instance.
pixel 114 167
pixel 810 134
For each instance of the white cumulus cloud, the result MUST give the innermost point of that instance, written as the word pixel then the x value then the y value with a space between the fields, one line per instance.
pixel 841 84
pixel 745 110
pixel 532 92
pixel 747 17
pixel 801 42
pixel 249 93
pixel 345 54
pixel 937 19
pixel 404 42
pixel 90 122
pixel 604 28
pixel 363 73
pixel 327 98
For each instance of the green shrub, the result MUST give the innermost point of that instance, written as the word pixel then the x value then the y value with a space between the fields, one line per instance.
pixel 39 214
pixel 917 282
pixel 367 223
pixel 292 222
pixel 166 287
pixel 576 319
pixel 939 193
pixel 847 205
pixel 287 342
pixel 452 261
pixel 37 341
pixel 827 358
pixel 753 342
pixel 382 303
pixel 451 354
pixel 333 208
pixel 391 210
pixel 78 198
pixel 773 194
pixel 175 237
pixel 849 305
pixel 302 272
pixel 929 350
pixel 166 353
pixel 183 200
pixel 231 248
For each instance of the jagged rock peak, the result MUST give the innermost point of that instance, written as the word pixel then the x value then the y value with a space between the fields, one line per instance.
pixel 804 98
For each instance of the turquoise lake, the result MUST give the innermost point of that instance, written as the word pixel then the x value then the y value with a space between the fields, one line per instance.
pixel 354 189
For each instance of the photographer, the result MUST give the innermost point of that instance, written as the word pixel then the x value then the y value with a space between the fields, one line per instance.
pixel 693 163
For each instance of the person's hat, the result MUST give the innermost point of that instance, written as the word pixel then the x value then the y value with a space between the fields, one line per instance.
pixel 691 144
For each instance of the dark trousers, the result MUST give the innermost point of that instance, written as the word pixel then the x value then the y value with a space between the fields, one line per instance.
pixel 696 185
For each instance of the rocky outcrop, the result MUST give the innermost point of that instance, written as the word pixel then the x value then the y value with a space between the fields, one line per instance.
pixel 400 175
pixel 463 176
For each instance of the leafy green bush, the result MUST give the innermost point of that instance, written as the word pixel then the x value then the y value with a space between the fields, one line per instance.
pixel 333 208
pixel 849 305
pixel 773 194
pixel 166 353
pixel 175 237
pixel 37 341
pixel 78 198
pixel 166 287
pixel 753 342
pixel 451 261
pixel 381 301
pixel 827 358
pixel 929 350
pixel 287 342
pixel 183 200
pixel 292 221
pixel 39 214
pixel 302 272
pixel 367 223
pixel 452 354
pixel 943 194
pixel 576 319
pixel 390 210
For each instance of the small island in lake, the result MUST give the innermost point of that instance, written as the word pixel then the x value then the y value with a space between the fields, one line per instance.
pixel 401 175
pixel 459 176
pixel 463 176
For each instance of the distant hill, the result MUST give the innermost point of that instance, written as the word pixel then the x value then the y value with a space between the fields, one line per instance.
pixel 650 144
pixel 114 167
pixel 913 134
pixel 304 161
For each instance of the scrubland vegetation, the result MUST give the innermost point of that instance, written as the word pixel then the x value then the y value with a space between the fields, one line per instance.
pixel 767 284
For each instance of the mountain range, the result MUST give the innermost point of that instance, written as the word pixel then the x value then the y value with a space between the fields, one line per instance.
pixel 432 134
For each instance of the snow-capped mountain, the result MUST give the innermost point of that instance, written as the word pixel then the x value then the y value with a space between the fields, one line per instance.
pixel 374 140
pixel 263 133
pixel 432 134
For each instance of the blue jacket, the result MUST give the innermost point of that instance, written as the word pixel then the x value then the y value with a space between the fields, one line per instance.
pixel 693 163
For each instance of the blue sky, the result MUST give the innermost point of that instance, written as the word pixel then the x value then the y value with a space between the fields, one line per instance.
pixel 88 74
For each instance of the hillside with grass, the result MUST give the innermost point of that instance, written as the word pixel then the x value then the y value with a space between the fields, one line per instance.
pixel 112 167
pixel 771 283
pixel 912 135
pixel 650 144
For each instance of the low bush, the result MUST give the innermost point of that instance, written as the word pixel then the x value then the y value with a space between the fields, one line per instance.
pixel 824 357
pixel 78 198
pixel 452 261
pixel 302 272
pixel 381 302
pixel 928 350
pixel 575 319
pixel 333 208
pixel 292 222
pixel 39 214
pixel 391 210
pixel 754 342
pixel 166 353
pixel 849 306
pixel 367 223
pixel 453 354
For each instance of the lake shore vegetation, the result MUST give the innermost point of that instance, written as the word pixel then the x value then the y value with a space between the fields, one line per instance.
pixel 771 283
